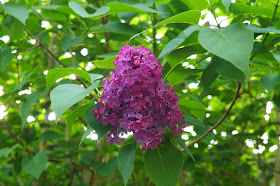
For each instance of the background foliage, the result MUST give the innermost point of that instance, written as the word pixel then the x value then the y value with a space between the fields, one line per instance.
pixel 54 53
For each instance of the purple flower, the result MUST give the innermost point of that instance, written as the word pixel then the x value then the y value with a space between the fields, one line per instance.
pixel 136 99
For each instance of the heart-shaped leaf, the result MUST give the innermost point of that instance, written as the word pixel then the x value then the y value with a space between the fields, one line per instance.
pixel 126 161
pixel 234 44
pixel 226 4
pixel 269 83
pixel 6 57
pixel 66 95
pixel 69 41
pixel 164 165
pixel 35 165
pixel 79 9
pixel 18 11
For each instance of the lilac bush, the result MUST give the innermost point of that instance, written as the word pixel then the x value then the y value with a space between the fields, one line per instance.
pixel 136 99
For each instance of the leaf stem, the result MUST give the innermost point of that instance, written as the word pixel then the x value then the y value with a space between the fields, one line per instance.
pixel 134 178
pixel 237 95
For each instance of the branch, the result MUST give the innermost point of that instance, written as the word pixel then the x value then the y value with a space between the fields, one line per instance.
pixel 134 178
pixel 43 46
pixel 12 134
pixel 237 95
pixel 52 55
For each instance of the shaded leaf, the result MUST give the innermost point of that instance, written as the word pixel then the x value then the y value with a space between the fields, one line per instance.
pixel 209 76
pixel 35 165
pixel 106 169
pixel 6 57
pixel 69 41
pixel 78 112
pixel 98 126
pixel 49 135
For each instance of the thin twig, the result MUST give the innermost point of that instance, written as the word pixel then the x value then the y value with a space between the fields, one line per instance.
pixel 27 49
pixel 53 55
pixel 43 46
pixel 12 134
pixel 134 178
pixel 237 95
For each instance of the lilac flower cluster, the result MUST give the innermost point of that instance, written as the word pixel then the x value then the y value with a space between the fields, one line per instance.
pixel 135 99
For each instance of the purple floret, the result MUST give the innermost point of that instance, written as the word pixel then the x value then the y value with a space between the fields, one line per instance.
pixel 135 99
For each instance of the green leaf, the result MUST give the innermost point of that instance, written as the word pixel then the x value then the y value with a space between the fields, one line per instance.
pixel 69 41
pixel 183 145
pixel 196 108
pixel 197 4
pixel 86 133
pixel 78 112
pixel 16 31
pixel 195 122
pixel 120 28
pixel 126 161
pixel 209 76
pixel 7 150
pixel 177 56
pixel 26 105
pixel 180 73
pixel 174 43
pixel 116 7
pixel 226 4
pixel 105 63
pixel 164 165
pixel 35 165
pixel 106 169
pixel 269 83
pixel 66 95
pixel 49 135
pixel 55 74
pixel 6 57
pixel 18 11
pixel 95 77
pixel 23 81
pixel 80 10
pixel 228 70
pixel 258 29
pixel 98 126
pixel 239 8
pixel 191 17
pixel 234 44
